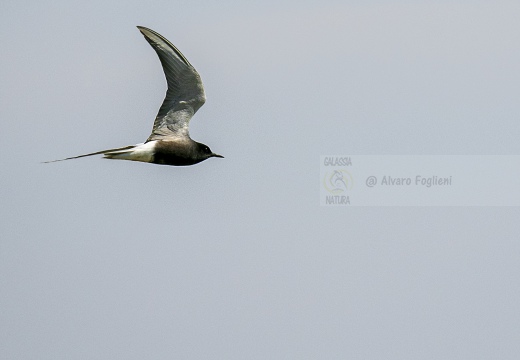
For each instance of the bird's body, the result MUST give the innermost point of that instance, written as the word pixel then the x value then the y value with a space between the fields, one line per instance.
pixel 169 142
pixel 181 152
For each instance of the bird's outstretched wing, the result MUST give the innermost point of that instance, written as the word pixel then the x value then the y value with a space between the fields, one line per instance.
pixel 185 94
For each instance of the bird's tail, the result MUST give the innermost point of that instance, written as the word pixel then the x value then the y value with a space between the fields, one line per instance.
pixel 117 153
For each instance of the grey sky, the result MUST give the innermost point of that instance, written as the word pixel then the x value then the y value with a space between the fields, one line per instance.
pixel 234 258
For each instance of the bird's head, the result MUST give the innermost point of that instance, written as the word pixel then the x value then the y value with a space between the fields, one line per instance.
pixel 204 152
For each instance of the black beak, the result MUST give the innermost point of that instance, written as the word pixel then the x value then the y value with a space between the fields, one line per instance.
pixel 217 155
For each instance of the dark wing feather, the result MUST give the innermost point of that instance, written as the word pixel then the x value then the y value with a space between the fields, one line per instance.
pixel 185 94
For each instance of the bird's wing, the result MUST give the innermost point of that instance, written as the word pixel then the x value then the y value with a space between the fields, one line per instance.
pixel 185 94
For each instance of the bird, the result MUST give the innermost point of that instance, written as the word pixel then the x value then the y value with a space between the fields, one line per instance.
pixel 170 142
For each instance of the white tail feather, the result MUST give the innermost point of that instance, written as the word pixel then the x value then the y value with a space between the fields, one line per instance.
pixel 141 152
